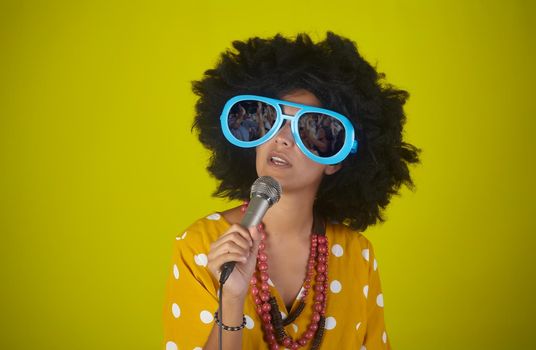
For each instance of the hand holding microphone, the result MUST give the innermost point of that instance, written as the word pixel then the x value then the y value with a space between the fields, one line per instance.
pixel 236 250
pixel 239 245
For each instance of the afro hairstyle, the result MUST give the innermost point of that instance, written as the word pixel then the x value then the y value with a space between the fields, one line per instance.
pixel 341 79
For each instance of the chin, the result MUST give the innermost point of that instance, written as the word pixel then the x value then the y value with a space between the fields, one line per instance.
pixel 267 172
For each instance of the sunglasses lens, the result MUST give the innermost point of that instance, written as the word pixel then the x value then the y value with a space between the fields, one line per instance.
pixel 250 120
pixel 322 134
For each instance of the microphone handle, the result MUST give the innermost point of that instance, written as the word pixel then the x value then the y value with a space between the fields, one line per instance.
pixel 258 205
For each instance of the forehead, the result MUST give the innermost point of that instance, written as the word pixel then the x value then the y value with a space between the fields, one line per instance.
pixel 300 96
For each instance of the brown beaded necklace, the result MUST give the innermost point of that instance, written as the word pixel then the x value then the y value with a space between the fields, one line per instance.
pixel 266 305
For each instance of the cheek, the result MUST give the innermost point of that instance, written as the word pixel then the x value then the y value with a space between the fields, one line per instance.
pixel 311 164
pixel 314 170
pixel 260 157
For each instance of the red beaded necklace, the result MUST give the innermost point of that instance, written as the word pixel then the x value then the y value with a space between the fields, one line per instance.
pixel 266 305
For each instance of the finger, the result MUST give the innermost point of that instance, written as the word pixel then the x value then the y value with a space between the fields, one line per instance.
pixel 222 259
pixel 241 238
pixel 243 232
pixel 234 231
pixel 233 237
pixel 228 248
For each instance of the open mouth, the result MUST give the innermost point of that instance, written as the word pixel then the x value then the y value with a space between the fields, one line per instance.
pixel 278 161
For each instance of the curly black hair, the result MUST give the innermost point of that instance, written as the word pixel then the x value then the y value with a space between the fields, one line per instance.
pixel 341 79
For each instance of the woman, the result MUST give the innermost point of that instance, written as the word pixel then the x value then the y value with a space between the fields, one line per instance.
pixel 306 277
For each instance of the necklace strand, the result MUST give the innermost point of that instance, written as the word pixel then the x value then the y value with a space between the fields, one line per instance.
pixel 266 305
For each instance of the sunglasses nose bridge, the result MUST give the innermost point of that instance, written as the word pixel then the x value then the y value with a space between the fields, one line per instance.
pixel 287 116
pixel 284 134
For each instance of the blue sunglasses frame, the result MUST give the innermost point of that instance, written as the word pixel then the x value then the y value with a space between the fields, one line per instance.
pixel 350 144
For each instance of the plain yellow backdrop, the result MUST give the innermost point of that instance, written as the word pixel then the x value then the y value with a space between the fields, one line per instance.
pixel 100 170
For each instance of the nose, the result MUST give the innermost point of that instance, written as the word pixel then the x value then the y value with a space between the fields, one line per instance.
pixel 284 136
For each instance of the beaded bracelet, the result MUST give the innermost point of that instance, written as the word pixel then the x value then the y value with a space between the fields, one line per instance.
pixel 227 328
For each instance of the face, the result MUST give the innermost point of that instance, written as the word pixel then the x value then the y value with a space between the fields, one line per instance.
pixel 281 158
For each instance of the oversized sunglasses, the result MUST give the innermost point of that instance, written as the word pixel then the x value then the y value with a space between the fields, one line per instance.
pixel 324 136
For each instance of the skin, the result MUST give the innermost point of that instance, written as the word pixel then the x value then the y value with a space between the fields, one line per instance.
pixel 288 236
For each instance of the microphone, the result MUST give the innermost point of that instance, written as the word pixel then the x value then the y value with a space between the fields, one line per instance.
pixel 265 192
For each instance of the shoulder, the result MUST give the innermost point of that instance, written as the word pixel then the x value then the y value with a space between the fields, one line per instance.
pixel 347 237
pixel 349 242
pixel 351 258
pixel 201 233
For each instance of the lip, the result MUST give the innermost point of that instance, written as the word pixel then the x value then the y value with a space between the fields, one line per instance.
pixel 279 155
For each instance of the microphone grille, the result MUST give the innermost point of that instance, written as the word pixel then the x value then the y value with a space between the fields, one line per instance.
pixel 268 187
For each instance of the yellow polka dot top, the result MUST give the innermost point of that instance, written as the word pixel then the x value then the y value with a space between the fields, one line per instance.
pixel 354 311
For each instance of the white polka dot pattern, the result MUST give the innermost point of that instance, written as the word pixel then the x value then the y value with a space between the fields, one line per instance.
pixel 379 300
pixel 181 237
pixel 249 322
pixel 337 250
pixel 190 262
pixel 365 253
pixel 335 286
pixel 214 216
pixel 206 317
pixel 201 260
pixel 176 310
pixel 331 322
pixel 171 346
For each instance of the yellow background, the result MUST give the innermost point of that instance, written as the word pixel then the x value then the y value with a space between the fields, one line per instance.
pixel 100 170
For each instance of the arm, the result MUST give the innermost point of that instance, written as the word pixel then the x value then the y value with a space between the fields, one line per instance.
pixel 191 291
pixel 233 311
pixel 189 299
pixel 240 245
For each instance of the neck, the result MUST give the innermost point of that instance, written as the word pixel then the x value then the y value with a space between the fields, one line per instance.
pixel 291 217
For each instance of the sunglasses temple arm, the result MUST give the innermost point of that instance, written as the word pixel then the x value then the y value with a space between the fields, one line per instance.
pixel 354 147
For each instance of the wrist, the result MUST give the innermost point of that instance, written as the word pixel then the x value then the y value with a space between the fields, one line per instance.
pixel 233 310
pixel 227 327
pixel 233 301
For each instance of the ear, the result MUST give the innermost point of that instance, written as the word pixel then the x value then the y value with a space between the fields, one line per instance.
pixel 332 169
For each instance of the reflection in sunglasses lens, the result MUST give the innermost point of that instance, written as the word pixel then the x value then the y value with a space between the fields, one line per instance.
pixel 322 134
pixel 250 120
